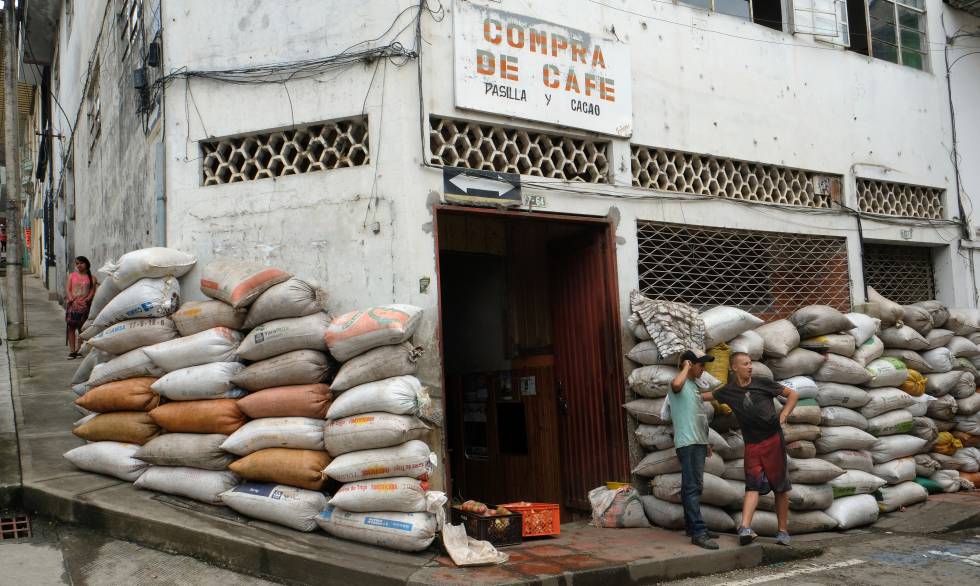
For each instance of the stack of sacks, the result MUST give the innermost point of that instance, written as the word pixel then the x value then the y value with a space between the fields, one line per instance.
pixel 202 411
pixel 281 449
pixel 725 329
pixel 134 305
pixel 373 433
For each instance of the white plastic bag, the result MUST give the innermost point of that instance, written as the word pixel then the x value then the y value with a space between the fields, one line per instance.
pixel 148 263
pixel 301 433
pixel 843 438
pixel 370 431
pixel 939 360
pixel 109 458
pixel 884 400
pixel 804 386
pixel 400 494
pixel 854 482
pixel 647 354
pixel 854 511
pixel 722 324
pixel 887 372
pixel 412 459
pixel 201 485
pixel 901 495
pixel 401 531
pixel 896 471
pixel 618 508
pixel 145 298
pixel 891 423
pixel 130 365
pixel 895 446
pixel 205 381
pixel 865 326
pixel 214 345
pixel 134 333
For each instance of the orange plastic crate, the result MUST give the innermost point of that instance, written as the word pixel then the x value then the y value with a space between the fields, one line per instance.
pixel 539 518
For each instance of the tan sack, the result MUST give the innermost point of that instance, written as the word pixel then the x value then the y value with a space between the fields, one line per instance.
pixel 301 468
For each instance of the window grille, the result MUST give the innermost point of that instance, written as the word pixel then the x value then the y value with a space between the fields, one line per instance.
pixel 683 172
pixel 457 143
pixel 903 274
pixel 770 274
pixel 301 149
pixel 900 199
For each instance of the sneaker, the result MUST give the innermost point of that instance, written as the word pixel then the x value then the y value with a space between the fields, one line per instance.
pixel 711 534
pixel 746 535
pixel 704 541
pixel 782 538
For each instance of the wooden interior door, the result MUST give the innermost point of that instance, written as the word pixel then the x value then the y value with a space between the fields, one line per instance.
pixel 588 372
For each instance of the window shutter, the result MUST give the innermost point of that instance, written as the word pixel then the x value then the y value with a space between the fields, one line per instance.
pixel 824 19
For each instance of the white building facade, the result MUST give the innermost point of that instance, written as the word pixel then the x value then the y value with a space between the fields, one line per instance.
pixel 758 154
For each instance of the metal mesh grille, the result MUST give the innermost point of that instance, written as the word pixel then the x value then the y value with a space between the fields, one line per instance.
pixel 900 199
pixel 457 143
pixel 770 274
pixel 903 274
pixel 14 527
pixel 707 175
pixel 301 149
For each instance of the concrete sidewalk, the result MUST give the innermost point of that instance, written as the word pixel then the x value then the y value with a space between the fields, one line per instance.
pixel 39 373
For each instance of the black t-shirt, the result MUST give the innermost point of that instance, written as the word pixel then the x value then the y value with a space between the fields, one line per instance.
pixel 753 407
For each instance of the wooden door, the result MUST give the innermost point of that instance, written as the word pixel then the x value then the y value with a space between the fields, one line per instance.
pixel 588 372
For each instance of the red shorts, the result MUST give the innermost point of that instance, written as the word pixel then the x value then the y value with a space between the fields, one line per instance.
pixel 766 467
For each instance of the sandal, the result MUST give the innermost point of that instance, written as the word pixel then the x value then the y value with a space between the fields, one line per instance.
pixel 73 355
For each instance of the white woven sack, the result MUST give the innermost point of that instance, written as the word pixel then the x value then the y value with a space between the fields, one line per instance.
pixel 903 337
pixel 370 431
pixel 301 433
pixel 647 411
pixel 940 384
pixel 377 364
pixel 652 381
pixel 412 459
pixel 798 432
pixel 671 515
pixel 292 368
pixel 843 438
pixel 104 293
pixel 359 331
pixel 910 358
pixel 205 381
pixel 400 494
pixel 854 511
pixel 948 480
pixel 285 335
pixel 734 470
pixel 963 322
pixel 901 495
pixel 812 471
pixel 750 343
pixel 736 446
pixel 896 471
pixel 636 326
pixel 920 405
pixel 238 282
pixel 109 458
pixel 918 318
pixel 722 324
pixel 842 344
pixel 804 386
pixel 969 405
pixel 810 497
pixel 961 347
pixel 647 354
pixel 716 491
pixel 887 372
pixel 766 523
pixel 925 428
pixel 884 400
pixel 937 311
pixel 760 370
pixel 926 465
pixel 657 463
pixel 197 316
pixel 891 423
pixel 854 482
pixel 938 337
pixel 969 459
pixel 939 360
pixel 779 337
pixel 134 333
pixel 201 485
pixel 400 395
pixel 214 345
pixel 839 369
pixel 289 506
pixel 850 459
pixel 865 326
pixel 841 395
pixel 944 408
pixel 819 320
pixel 835 416
pixel 797 362
pixel 654 437
pixel 889 311
pixel 194 450
pixel 91 360
pixel 145 298
pixel 871 349
pixel 292 298
pixel 965 386
pixel 148 263
pixel 130 365
pixel 400 531
pixel 891 447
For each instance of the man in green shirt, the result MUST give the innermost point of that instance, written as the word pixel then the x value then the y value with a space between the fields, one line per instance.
pixel 691 444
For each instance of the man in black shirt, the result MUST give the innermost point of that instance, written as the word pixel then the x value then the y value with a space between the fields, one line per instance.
pixel 751 398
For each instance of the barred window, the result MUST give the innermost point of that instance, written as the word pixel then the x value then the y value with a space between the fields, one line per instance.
pixel 900 199
pixel 770 274
pixel 903 274
pixel 491 147
pixel 301 149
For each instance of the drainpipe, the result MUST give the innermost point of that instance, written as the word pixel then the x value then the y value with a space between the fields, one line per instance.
pixel 16 326
pixel 160 189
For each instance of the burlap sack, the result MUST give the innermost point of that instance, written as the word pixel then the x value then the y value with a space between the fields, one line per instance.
pixel 293 401
pixel 132 394
pixel 131 427
pixel 302 468
pixel 207 416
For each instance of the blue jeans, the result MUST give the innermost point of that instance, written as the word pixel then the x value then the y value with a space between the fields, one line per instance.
pixel 692 482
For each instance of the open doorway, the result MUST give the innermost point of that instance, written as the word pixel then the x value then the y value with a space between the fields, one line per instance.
pixel 533 370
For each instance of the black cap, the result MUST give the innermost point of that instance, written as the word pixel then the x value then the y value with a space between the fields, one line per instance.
pixel 695 359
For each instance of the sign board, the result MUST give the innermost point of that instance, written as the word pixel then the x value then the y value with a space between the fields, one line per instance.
pixel 477 187
pixel 528 68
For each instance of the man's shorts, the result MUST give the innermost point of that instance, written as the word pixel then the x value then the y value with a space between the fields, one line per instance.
pixel 766 467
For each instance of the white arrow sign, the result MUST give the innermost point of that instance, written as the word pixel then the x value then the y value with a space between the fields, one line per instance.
pixel 466 183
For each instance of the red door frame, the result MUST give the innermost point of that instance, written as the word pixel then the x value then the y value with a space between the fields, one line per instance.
pixel 611 281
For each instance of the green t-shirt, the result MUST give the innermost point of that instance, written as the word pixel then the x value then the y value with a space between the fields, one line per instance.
pixel 690 422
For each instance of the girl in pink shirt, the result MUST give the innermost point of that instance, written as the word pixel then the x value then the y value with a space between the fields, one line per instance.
pixel 79 294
